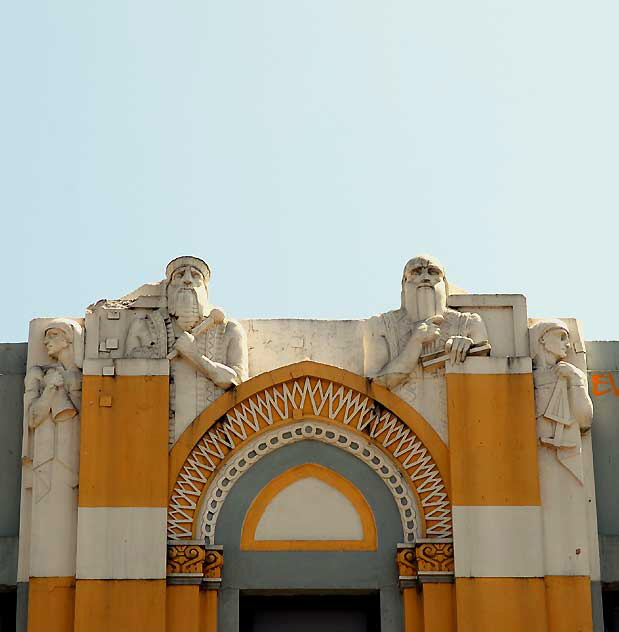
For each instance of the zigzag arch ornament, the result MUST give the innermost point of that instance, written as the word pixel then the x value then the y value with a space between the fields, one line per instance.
pixel 341 437
pixel 321 393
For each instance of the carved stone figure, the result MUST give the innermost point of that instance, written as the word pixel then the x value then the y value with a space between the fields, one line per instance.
pixel 207 351
pixel 52 404
pixel 563 407
pixel 423 328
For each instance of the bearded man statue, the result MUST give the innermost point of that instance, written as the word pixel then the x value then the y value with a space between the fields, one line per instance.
pixel 207 351
pixel 423 325
pixel 397 342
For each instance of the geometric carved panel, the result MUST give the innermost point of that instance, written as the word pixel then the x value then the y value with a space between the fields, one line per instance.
pixel 345 439
pixel 321 399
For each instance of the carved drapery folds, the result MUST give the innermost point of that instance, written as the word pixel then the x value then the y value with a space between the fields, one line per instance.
pixel 51 440
pixel 194 563
pixel 563 407
pixel 425 561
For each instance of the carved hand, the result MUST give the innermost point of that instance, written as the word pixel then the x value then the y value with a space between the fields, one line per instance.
pixel 428 330
pixel 186 346
pixel 458 347
pixel 569 372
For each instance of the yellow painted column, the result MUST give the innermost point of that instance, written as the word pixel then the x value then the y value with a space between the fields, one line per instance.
pixel 413 610
pixel 194 577
pixel 51 602
pixel 439 607
pixel 121 556
pixel 496 498
pixel 501 603
pixel 568 601
pixel 183 608
pixel 412 601
pixel 208 616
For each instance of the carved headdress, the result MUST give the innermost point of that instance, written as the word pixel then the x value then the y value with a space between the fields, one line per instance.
pixel 537 332
pixel 195 262
pixel 74 335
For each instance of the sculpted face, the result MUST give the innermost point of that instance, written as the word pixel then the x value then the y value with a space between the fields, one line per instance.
pixel 557 343
pixel 424 290
pixel 55 340
pixel 186 276
pixel 422 273
pixel 187 295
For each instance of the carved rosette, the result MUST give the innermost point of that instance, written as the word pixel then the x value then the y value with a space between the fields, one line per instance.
pixel 425 561
pixel 192 562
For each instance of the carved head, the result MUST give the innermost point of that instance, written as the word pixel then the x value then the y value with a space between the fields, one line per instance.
pixel 424 287
pixel 550 342
pixel 187 294
pixel 60 335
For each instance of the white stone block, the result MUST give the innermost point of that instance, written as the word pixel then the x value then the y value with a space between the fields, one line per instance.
pixel 497 541
pixel 121 543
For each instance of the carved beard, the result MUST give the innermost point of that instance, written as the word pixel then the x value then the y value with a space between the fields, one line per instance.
pixel 188 304
pixel 423 302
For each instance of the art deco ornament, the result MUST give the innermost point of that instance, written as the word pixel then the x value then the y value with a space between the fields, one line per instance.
pixel 563 406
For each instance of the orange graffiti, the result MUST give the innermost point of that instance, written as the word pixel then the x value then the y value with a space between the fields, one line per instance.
pixel 601 380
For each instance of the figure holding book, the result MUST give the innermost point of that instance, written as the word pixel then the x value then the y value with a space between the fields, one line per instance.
pixel 423 332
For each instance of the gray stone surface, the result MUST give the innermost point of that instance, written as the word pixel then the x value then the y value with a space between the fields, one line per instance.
pixel 603 357
pixel 609 557
pixel 8 560
pixel 603 354
pixel 300 572
pixel 21 618
pixel 596 607
pixel 12 371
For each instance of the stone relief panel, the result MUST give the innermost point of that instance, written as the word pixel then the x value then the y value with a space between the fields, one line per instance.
pixel 174 320
pixel 406 349
pixel 564 409
pixel 51 437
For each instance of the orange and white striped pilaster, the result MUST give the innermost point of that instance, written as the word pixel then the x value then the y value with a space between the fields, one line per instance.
pixel 121 548
pixel 498 543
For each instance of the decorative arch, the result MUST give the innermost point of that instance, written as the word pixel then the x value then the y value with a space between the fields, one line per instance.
pixel 324 393
pixel 353 497
pixel 344 438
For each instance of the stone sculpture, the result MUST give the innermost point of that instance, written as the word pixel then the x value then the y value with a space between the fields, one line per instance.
pixel 563 407
pixel 52 403
pixel 423 332
pixel 207 350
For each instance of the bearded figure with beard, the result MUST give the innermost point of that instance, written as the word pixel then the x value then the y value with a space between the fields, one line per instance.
pixel 206 360
pixel 396 340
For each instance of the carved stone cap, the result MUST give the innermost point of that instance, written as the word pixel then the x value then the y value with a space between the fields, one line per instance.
pixel 427 560
pixel 193 562
pixel 188 261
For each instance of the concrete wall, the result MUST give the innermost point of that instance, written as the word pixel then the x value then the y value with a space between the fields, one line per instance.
pixel 603 369
pixel 12 371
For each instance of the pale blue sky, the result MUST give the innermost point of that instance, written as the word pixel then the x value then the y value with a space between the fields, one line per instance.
pixel 306 149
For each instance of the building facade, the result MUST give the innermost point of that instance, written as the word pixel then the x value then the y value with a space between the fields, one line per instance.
pixel 433 468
